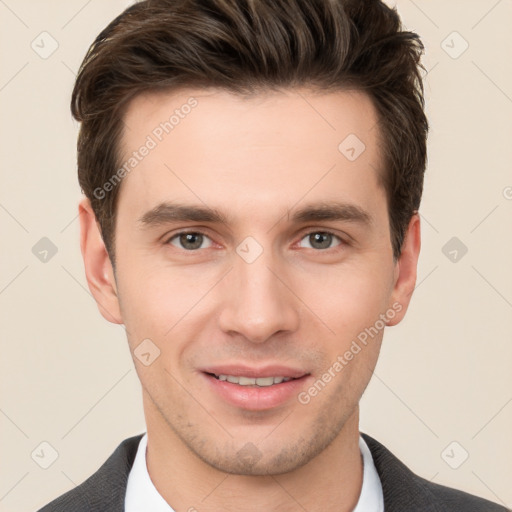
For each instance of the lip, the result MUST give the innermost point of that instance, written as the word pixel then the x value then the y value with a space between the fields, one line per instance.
pixel 253 398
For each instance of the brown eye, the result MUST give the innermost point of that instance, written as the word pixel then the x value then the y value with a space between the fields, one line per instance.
pixel 320 240
pixel 189 241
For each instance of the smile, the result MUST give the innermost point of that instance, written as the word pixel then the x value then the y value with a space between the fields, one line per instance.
pixel 252 381
pixel 255 389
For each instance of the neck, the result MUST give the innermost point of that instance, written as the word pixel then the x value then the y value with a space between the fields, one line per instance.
pixel 331 481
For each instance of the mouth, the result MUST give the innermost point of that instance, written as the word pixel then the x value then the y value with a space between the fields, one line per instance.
pixel 255 389
pixel 242 380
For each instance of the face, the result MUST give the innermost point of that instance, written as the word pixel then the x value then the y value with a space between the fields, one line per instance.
pixel 254 257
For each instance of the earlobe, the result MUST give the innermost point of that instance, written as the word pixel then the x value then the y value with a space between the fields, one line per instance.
pixel 98 267
pixel 406 271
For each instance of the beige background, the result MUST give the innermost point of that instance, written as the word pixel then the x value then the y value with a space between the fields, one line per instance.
pixel 444 374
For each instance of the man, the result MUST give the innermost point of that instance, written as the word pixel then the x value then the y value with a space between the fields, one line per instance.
pixel 253 172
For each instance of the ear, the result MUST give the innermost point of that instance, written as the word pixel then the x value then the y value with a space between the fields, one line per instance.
pixel 98 267
pixel 405 271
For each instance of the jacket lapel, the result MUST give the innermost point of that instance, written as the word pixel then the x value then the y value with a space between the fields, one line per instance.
pixel 402 489
pixel 105 490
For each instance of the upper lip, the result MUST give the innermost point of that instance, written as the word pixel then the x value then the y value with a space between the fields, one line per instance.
pixel 240 370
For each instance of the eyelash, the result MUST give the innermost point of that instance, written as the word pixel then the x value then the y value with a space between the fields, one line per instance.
pixel 343 241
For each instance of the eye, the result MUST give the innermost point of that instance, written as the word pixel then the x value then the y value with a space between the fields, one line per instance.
pixel 320 240
pixel 190 241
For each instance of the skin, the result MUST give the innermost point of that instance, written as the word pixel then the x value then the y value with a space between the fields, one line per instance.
pixel 257 160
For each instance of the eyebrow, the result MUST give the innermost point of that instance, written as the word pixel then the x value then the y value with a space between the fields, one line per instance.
pixel 166 212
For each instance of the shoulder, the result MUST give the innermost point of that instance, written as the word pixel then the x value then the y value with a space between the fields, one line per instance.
pixel 105 489
pixel 454 499
pixel 405 491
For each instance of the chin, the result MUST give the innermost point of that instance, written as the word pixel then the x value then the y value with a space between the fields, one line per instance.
pixel 283 456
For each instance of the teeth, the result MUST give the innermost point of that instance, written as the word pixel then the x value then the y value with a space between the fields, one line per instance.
pixel 251 381
pixel 246 381
pixel 266 381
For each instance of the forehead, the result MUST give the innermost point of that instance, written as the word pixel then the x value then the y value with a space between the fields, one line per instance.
pixel 291 114
pixel 213 146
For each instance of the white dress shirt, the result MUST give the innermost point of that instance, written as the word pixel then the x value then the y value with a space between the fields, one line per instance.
pixel 142 496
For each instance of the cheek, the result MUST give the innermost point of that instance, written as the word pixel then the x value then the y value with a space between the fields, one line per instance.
pixel 348 300
pixel 156 301
pixel 158 306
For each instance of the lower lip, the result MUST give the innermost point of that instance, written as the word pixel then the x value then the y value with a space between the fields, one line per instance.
pixel 256 398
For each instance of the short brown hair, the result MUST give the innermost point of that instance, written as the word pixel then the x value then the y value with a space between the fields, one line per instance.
pixel 248 46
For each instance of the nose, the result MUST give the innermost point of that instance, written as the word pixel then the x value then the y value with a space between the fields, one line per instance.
pixel 258 300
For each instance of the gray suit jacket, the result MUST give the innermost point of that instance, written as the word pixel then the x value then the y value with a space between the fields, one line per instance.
pixel 104 491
